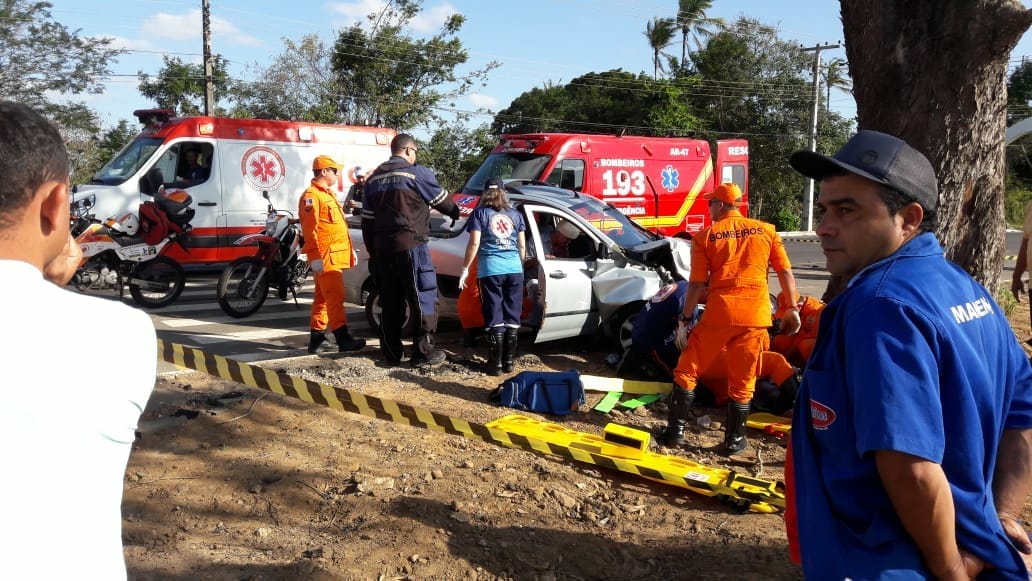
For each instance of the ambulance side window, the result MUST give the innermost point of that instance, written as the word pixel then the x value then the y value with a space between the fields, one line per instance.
pixel 733 172
pixel 568 174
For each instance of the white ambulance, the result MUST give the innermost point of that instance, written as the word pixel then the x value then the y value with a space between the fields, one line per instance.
pixel 238 160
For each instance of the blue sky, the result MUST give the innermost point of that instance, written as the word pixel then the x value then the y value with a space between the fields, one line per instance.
pixel 536 41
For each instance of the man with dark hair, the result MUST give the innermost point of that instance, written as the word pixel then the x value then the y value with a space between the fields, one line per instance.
pixel 396 228
pixel 911 441
pixel 88 436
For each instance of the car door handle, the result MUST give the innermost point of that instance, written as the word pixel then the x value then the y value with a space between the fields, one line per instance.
pixel 557 274
pixel 207 203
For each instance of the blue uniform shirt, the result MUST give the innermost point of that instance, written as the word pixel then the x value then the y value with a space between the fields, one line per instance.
pixel 915 356
pixel 499 234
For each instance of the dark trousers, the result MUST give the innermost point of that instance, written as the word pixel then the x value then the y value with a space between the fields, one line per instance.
pixel 502 299
pixel 407 278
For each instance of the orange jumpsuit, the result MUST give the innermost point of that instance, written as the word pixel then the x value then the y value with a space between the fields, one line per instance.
pixel 327 238
pixel 772 365
pixel 733 255
pixel 797 348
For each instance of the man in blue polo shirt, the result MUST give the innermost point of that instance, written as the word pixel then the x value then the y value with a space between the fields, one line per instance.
pixel 910 437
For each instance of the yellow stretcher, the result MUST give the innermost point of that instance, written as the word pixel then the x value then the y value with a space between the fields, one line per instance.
pixel 775 425
pixel 625 449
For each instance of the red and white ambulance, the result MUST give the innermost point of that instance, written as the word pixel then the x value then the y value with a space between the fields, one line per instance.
pixel 656 181
pixel 239 159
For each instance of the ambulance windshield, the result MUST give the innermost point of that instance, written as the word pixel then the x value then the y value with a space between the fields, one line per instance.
pixel 127 162
pixel 514 166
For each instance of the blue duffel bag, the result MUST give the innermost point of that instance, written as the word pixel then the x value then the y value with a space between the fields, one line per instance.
pixel 549 392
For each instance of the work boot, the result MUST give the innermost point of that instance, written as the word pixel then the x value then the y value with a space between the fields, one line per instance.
pixel 315 339
pixel 509 348
pixel 436 357
pixel 680 404
pixel 734 430
pixel 495 345
pixel 345 342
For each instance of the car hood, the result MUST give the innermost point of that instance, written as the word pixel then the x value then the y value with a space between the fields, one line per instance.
pixel 672 254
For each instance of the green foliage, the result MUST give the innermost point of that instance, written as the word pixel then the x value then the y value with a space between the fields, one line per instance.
pixel 40 58
pixel 372 75
pixel 694 23
pixel 660 34
pixel 89 152
pixel 180 85
pixel 1015 198
pixel 1019 93
pixel 785 219
pixel 455 152
pixel 759 89
pixel 609 102
pixel 1005 299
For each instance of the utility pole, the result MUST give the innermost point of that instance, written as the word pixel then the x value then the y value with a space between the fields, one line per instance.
pixel 209 73
pixel 808 193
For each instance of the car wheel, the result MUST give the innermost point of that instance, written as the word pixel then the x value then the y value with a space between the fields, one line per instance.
pixel 621 325
pixel 373 313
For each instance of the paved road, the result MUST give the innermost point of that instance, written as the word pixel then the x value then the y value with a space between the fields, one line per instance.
pixel 280 329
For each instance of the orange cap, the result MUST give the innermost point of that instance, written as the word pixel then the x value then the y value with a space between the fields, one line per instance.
pixel 323 162
pixel 728 193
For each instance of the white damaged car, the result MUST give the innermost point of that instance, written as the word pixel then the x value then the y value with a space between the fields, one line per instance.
pixel 599 281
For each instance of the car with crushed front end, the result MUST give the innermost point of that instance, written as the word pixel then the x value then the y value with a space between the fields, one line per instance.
pixel 593 281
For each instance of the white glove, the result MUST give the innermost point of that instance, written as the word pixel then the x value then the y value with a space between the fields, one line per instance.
pixel 791 322
pixel 681 337
pixel 462 278
pixel 317 266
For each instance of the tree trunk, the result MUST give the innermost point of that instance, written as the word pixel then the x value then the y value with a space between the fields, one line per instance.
pixel 935 75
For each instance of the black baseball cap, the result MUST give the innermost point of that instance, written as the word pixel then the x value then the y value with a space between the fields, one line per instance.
pixel 494 183
pixel 878 157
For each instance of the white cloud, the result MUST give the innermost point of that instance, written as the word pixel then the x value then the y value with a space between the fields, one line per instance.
pixel 120 43
pixel 483 101
pixel 428 20
pixel 187 27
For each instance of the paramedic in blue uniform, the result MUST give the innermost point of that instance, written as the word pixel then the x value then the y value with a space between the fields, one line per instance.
pixel 655 328
pixel 910 436
pixel 396 228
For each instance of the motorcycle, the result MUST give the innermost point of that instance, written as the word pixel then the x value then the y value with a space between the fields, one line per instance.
pixel 244 284
pixel 125 250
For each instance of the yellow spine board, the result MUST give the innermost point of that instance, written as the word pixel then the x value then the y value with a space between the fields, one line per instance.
pixel 525 433
pixel 741 491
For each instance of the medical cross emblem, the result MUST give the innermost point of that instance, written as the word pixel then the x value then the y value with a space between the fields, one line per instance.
pixel 262 168
pixel 670 178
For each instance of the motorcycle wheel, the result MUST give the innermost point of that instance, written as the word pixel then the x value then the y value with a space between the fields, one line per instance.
pixel 242 289
pixel 373 314
pixel 164 280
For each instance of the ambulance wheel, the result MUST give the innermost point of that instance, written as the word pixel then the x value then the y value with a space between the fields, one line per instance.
pixel 621 327
pixel 157 283
pixel 373 312
pixel 242 287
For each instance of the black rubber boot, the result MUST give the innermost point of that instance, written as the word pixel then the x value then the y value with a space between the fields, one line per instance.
pixel 680 404
pixel 345 342
pixel 509 349
pixel 734 431
pixel 495 344
pixel 315 339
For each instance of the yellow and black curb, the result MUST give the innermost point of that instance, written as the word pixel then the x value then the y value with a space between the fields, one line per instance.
pixel 738 490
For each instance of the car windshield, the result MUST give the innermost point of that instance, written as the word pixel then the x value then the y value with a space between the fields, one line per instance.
pixel 127 162
pixel 516 166
pixel 611 222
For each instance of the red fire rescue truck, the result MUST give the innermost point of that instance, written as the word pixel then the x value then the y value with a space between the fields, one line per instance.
pixel 657 181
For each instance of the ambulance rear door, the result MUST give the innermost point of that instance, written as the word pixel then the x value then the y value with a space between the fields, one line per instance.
pixel 732 165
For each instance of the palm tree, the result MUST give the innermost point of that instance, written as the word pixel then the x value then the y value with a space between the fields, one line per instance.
pixel 660 33
pixel 691 18
pixel 836 75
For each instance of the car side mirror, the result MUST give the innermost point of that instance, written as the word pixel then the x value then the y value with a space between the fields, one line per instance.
pixel 151 181
pixel 603 252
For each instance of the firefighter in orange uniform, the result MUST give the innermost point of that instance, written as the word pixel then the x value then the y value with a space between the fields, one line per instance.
pixel 328 246
pixel 732 256
pixel 796 348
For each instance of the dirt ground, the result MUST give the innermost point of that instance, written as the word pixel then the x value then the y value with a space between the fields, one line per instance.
pixel 228 482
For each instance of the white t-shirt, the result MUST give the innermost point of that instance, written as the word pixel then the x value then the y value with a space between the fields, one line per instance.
pixel 77 372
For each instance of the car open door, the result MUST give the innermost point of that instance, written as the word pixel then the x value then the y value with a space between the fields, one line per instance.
pixel 563 278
